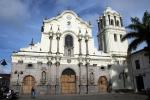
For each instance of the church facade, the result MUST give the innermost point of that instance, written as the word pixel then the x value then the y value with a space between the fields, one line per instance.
pixel 65 61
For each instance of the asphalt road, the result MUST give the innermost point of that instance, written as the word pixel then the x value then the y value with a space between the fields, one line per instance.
pixel 88 97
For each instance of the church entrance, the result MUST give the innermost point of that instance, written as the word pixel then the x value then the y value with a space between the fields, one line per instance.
pixel 28 83
pixel 102 84
pixel 68 82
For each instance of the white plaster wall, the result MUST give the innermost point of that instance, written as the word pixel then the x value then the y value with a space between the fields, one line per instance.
pixel 144 67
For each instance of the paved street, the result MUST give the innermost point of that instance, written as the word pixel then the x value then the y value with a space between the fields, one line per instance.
pixel 89 97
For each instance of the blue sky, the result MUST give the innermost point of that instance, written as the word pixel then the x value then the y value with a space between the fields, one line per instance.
pixel 21 20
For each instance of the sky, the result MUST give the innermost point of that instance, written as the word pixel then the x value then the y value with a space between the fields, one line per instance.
pixel 21 20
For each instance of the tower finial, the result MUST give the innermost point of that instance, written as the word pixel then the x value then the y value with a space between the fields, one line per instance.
pixel 89 22
pixel 32 43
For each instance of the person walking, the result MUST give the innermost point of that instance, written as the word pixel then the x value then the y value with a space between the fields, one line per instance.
pixel 33 92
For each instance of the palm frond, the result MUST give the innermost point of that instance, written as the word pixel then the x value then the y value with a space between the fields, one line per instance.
pixel 135 27
pixel 140 31
pixel 130 35
pixel 135 20
pixel 133 45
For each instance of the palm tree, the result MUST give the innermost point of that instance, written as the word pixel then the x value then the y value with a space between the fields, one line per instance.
pixel 139 32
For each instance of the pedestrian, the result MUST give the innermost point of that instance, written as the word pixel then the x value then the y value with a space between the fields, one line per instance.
pixel 109 86
pixel 33 92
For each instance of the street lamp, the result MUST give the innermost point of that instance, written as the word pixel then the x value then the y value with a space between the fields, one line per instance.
pixel 3 63
pixel 110 79
pixel 18 73
pixel 123 75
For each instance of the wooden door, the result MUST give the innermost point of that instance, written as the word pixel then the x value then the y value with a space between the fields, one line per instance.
pixel 68 83
pixel 28 83
pixel 103 84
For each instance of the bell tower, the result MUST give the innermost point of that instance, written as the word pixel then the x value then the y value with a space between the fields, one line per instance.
pixel 110 32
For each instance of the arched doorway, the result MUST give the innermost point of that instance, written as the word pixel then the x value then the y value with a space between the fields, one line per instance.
pixel 68 82
pixel 28 83
pixel 102 84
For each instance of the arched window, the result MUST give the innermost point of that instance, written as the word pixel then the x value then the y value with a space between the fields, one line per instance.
pixel 68 41
pixel 68 46
pixel 111 22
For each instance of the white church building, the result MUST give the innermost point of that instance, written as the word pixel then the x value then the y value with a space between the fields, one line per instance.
pixel 65 61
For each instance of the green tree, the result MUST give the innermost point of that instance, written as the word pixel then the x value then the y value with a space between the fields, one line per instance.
pixel 139 32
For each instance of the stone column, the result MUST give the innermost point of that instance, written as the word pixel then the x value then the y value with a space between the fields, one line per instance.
pixel 53 78
pixel 57 85
pixel 58 34
pixel 80 64
pixel 80 39
pixel 87 59
pixel 87 73
pixel 58 38
pixel 86 41
pixel 83 79
pixel 49 88
pixel 50 38
pixel 107 20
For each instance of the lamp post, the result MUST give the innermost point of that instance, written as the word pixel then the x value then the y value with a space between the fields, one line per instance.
pixel 123 75
pixel 3 63
pixel 0 81
pixel 110 79
pixel 18 74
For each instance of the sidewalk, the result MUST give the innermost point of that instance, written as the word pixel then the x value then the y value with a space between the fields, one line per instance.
pixel 107 96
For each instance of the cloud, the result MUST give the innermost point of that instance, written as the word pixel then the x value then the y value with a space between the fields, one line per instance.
pixel 130 8
pixel 13 10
